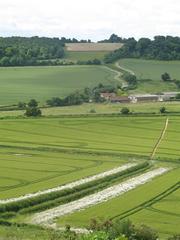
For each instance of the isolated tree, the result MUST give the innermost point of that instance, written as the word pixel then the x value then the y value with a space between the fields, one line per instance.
pixel 32 109
pixel 32 103
pixel 33 112
pixel 165 77
pixel 125 110
pixel 162 110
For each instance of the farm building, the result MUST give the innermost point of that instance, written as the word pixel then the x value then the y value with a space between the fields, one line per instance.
pixel 108 96
pixel 120 99
pixel 168 95
pixel 145 98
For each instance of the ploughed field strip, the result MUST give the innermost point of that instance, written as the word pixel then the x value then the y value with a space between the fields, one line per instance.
pixel 71 185
pixel 36 155
pixel 98 197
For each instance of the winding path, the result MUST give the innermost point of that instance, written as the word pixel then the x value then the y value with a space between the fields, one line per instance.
pixel 160 138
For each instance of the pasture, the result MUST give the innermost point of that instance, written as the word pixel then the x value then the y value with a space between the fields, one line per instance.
pixel 149 74
pixel 42 83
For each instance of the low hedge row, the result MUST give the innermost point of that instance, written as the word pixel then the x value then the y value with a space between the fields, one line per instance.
pixel 53 199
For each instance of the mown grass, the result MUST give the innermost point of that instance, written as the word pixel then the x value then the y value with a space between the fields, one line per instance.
pixel 149 74
pixel 42 83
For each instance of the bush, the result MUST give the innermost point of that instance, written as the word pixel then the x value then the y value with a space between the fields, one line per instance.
pixel 125 110
pixel 33 112
pixel 162 110
pixel 96 236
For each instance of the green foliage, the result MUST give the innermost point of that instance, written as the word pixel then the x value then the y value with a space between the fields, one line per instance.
pixel 125 111
pixel 32 109
pixel 21 51
pixel 130 79
pixel 21 105
pixel 160 48
pixel 165 77
pixel 96 236
pixel 89 62
pixel 162 110
pixel 145 233
pixel 33 112
pixel 32 103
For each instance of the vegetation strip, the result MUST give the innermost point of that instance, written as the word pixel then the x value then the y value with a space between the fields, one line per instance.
pixel 54 199
pixel 71 185
pixel 160 138
pixel 102 196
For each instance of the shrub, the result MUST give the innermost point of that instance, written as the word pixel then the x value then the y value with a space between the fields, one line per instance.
pixel 162 110
pixel 125 110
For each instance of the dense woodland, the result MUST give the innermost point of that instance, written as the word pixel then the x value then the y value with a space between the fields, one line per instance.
pixel 22 51
pixel 160 48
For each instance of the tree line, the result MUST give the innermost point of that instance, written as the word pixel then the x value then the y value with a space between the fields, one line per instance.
pixel 24 51
pixel 160 48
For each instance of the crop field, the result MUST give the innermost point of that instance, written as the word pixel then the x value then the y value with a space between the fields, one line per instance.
pixel 149 74
pixel 84 56
pixel 44 153
pixel 92 47
pixel 42 83
pixel 127 206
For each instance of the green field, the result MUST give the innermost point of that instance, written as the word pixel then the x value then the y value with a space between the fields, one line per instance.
pixel 42 83
pixel 101 108
pixel 84 56
pixel 35 152
pixel 116 208
pixel 42 153
pixel 149 74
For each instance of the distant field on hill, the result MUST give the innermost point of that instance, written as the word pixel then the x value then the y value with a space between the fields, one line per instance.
pixel 100 47
pixel 149 74
pixel 84 56
pixel 42 83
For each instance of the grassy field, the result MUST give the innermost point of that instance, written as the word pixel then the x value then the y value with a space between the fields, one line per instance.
pixel 102 108
pixel 42 153
pixel 84 56
pixel 42 83
pixel 117 207
pixel 149 74
pixel 35 152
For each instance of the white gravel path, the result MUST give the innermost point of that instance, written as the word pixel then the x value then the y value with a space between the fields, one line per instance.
pixel 102 196
pixel 71 185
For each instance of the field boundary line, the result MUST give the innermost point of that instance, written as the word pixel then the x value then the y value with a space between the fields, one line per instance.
pixel 160 138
